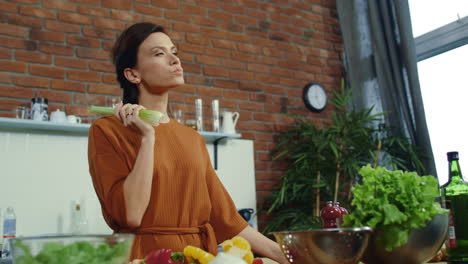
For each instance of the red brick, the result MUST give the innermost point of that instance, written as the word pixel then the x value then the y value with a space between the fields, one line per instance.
pixel 218 52
pixel 75 18
pixel 101 66
pixel 194 79
pixel 107 46
pixel 166 3
pixel 243 57
pixel 63 27
pixel 246 20
pixel 244 76
pixel 213 71
pixel 126 16
pixel 24 21
pixel 78 110
pixel 253 67
pixel 233 9
pixel 13 66
pixel 5 77
pixel 177 15
pixel 34 2
pixel 121 4
pixel 196 39
pixel 83 41
pixel 9 105
pixel 56 49
pixel 68 86
pixel 191 67
pixel 194 10
pixel 238 37
pixel 148 10
pixel 235 94
pixel 108 23
pixel 46 71
pixel 71 62
pixel 35 57
pixel 231 84
pixel 95 54
pixel 83 76
pixel 12 30
pixel 8 7
pixel 208 3
pixel 16 92
pixel 110 79
pixel 5 53
pixel 213 33
pixel 94 11
pixel 47 36
pixel 29 81
pixel 220 16
pixel 249 86
pixel 253 106
pixel 104 89
pixel 228 63
pixel 89 2
pixel 55 96
pixel 186 27
pixel 98 33
pixel 191 48
pixel 204 21
pixel 37 12
pixel 207 60
pixel 89 99
pixel 210 91
pixel 59 4
pixel 223 44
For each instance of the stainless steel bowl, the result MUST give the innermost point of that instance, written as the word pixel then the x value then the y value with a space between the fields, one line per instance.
pixel 68 248
pixel 324 246
pixel 422 245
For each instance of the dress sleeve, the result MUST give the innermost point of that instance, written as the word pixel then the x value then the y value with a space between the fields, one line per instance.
pixel 224 218
pixel 108 172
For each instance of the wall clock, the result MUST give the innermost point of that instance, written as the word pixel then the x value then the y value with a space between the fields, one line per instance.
pixel 315 97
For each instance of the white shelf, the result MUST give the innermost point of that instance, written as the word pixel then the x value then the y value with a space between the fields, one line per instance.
pixel 16 124
pixel 23 125
pixel 214 136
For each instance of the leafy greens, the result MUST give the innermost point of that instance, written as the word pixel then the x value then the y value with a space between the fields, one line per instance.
pixel 393 203
pixel 75 253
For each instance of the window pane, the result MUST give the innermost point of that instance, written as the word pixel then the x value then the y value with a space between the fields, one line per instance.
pixel 444 87
pixel 427 15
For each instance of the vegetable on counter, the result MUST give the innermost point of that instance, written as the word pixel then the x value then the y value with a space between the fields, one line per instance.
pixel 240 247
pixel 197 255
pixel 78 252
pixel 149 116
pixel 164 256
pixel 393 203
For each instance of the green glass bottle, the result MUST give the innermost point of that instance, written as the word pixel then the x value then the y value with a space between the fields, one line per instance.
pixel 456 198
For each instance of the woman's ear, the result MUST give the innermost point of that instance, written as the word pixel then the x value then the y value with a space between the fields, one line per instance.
pixel 132 75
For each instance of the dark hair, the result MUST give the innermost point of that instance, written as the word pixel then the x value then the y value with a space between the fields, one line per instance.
pixel 124 55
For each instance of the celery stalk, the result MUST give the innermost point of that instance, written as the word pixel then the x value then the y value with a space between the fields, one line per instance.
pixel 149 116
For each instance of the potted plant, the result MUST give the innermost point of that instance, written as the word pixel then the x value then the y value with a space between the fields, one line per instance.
pixel 324 160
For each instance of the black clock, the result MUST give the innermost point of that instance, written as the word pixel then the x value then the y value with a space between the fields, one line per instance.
pixel 315 97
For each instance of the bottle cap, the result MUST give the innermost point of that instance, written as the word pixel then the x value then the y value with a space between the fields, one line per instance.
pixel 40 100
pixel 452 155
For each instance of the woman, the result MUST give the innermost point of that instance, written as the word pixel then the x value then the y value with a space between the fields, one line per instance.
pixel 158 182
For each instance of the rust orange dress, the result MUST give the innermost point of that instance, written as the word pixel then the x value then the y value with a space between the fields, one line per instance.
pixel 188 204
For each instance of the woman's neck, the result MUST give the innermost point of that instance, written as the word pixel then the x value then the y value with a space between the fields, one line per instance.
pixel 157 102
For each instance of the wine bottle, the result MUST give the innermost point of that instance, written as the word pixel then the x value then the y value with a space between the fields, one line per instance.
pixel 456 199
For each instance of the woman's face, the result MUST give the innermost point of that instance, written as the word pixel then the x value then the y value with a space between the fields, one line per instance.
pixel 158 67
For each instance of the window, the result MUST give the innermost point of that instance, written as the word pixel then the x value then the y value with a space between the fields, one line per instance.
pixel 443 83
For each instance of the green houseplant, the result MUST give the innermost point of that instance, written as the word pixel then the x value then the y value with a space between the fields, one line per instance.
pixel 324 160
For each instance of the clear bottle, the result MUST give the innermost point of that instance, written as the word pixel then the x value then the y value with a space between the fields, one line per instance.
pixel 9 230
pixel 456 200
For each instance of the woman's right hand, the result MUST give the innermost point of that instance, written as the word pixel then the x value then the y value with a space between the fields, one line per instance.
pixel 128 114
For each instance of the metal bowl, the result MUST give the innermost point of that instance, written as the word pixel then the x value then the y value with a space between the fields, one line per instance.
pixel 69 248
pixel 422 245
pixel 324 246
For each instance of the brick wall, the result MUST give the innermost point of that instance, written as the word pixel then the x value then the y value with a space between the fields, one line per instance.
pixel 254 56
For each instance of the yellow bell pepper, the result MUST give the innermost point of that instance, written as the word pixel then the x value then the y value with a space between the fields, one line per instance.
pixel 238 246
pixel 197 255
